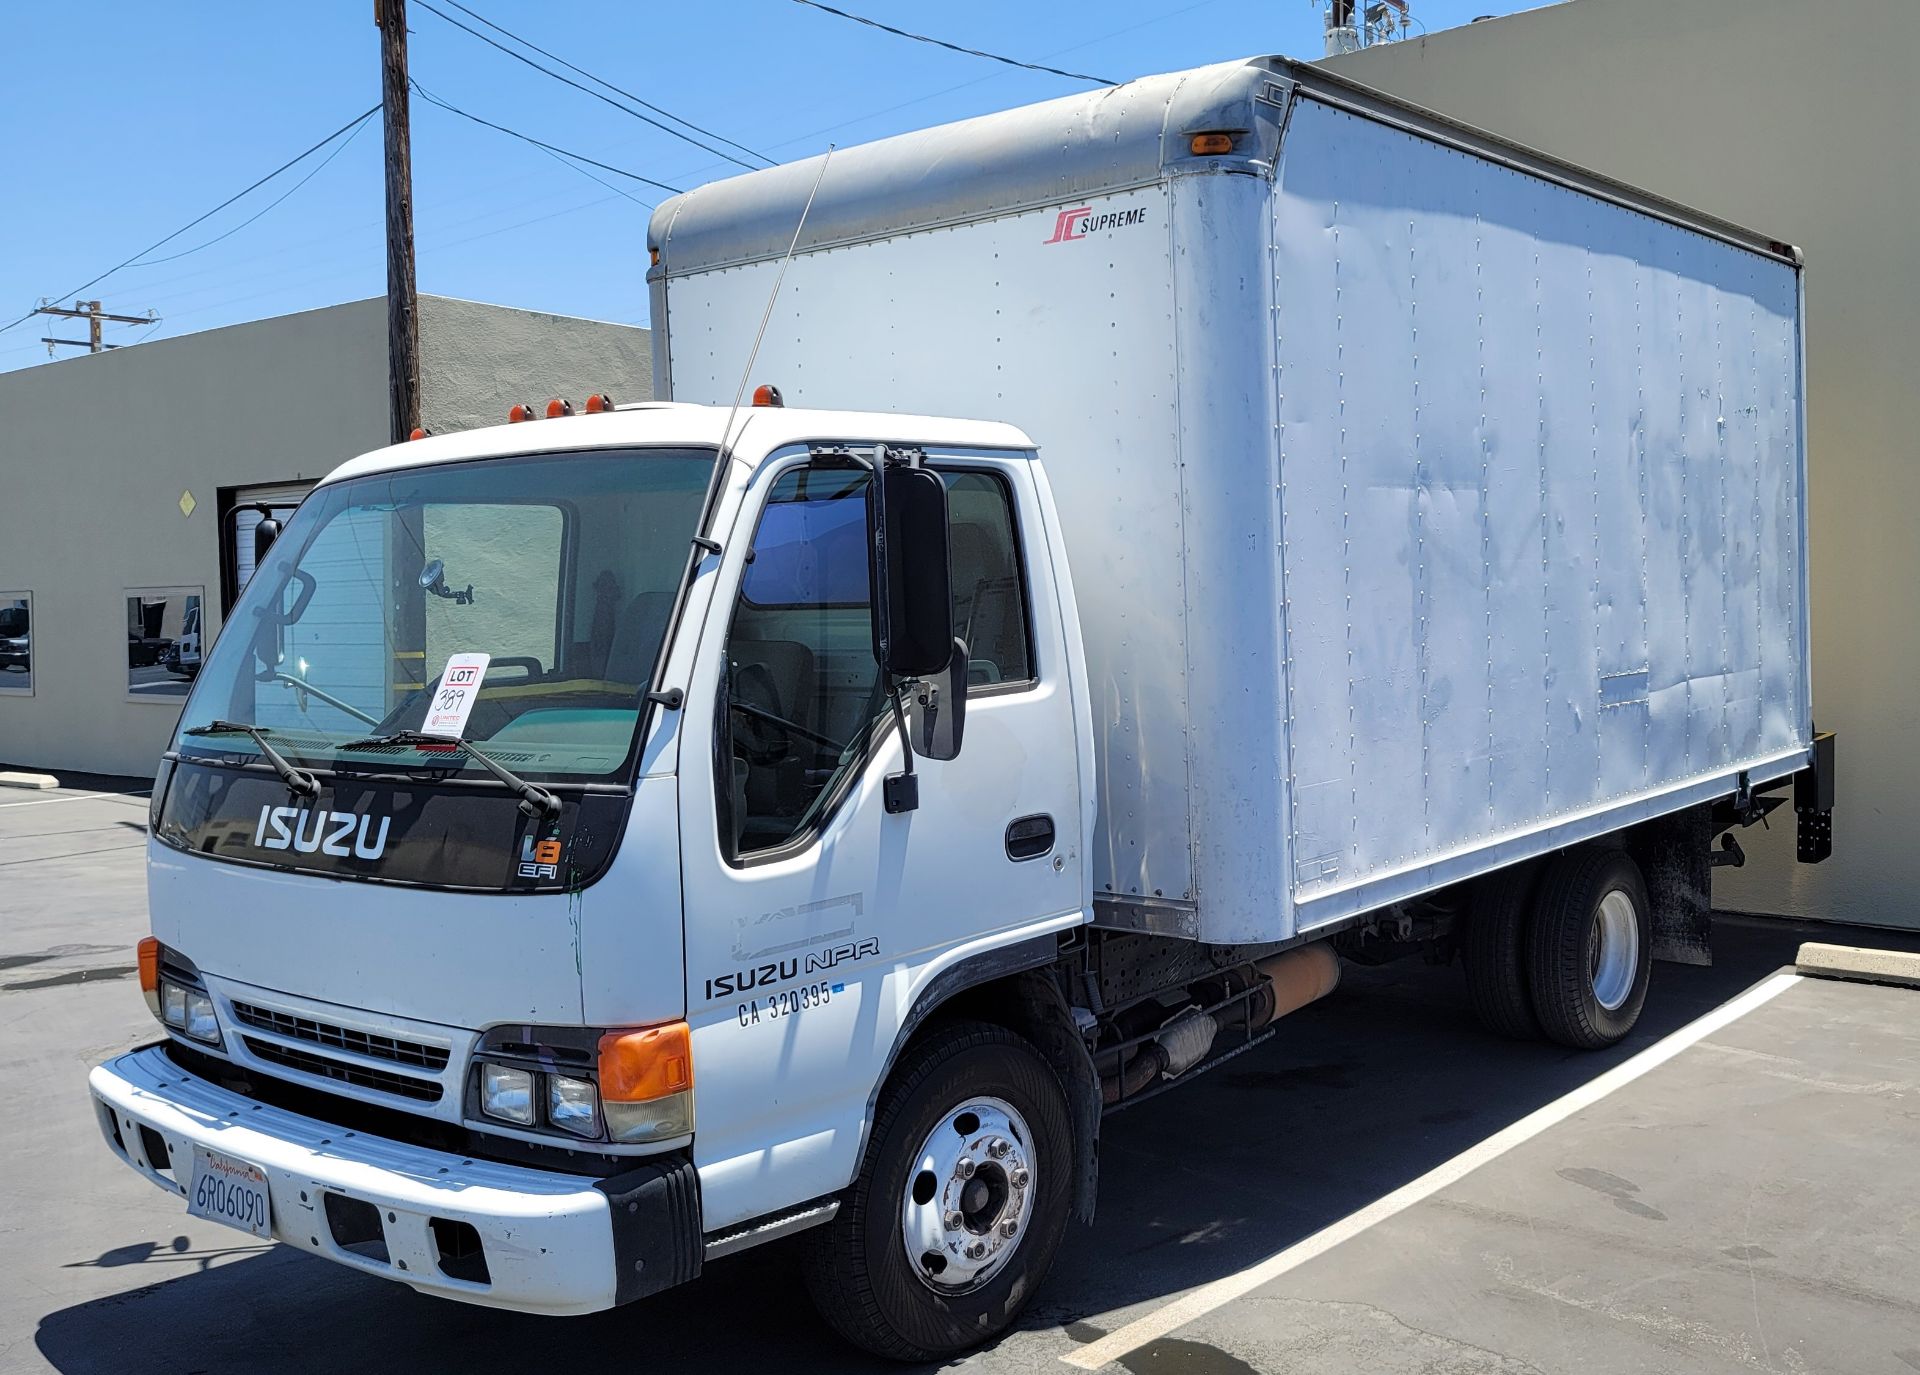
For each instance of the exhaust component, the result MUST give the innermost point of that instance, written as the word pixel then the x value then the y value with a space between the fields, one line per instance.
pixel 1286 983
pixel 1299 976
pixel 1186 1040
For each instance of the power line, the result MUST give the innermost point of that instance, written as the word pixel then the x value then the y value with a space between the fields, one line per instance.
pixel 431 98
pixel 321 167
pixel 954 47
pixel 601 80
pixel 567 80
pixel 200 219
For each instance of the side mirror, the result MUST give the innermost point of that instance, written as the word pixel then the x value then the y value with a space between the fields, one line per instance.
pixel 911 571
pixel 264 534
pixel 938 715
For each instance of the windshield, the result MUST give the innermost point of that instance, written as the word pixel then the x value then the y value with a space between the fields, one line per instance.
pixel 559 571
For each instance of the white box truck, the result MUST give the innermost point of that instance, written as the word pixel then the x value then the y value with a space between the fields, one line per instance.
pixel 600 844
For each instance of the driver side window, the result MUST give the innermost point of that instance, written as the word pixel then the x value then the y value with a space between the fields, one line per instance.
pixel 802 687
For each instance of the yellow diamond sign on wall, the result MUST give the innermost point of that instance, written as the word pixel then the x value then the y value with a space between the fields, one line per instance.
pixel 187 503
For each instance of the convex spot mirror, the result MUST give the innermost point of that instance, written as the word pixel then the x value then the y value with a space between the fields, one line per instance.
pixel 938 708
pixel 911 572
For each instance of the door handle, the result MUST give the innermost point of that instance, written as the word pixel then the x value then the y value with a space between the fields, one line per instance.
pixel 1029 837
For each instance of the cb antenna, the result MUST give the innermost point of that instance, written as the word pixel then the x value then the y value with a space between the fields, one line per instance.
pixel 726 431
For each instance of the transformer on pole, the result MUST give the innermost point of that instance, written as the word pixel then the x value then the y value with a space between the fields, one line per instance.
pixel 1356 24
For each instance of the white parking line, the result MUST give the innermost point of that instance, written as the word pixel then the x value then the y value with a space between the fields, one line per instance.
pixel 78 797
pixel 1208 1297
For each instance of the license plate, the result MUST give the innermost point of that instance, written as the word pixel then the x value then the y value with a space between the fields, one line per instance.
pixel 230 1191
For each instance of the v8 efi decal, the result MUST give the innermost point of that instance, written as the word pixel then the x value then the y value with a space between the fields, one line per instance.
pixel 1081 221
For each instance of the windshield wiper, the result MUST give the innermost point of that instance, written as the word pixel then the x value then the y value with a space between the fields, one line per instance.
pixel 535 800
pixel 298 780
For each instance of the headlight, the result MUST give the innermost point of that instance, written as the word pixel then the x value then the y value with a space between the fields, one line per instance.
pixel 201 1024
pixel 507 1093
pixel 629 1087
pixel 573 1105
pixel 173 1004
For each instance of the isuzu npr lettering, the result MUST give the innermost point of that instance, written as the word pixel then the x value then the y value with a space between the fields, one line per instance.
pixel 600 844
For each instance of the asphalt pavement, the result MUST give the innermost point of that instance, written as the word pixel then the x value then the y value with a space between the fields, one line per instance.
pixel 1751 1203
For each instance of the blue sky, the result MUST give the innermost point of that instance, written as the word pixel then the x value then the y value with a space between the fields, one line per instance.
pixel 124 120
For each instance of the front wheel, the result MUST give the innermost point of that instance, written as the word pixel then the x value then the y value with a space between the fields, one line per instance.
pixel 1590 950
pixel 962 1202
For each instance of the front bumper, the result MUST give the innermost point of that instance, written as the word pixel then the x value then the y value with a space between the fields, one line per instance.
pixel 547 1242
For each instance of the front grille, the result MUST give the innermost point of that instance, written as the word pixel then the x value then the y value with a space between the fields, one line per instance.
pixel 342 1038
pixel 402 1085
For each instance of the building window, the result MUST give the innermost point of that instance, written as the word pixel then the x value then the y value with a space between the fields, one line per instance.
pixel 16 643
pixel 164 642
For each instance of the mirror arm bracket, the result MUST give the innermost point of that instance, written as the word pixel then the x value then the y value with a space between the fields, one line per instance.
pixel 670 698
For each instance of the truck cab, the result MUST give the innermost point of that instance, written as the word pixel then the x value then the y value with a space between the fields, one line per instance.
pixel 607 976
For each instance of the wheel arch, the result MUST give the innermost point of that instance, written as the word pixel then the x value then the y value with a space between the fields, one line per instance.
pixel 1010 987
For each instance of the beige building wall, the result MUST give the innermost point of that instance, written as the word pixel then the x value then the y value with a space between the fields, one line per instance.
pixel 97 451
pixel 1799 120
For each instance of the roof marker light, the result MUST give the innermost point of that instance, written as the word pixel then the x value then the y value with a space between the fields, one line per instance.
pixel 766 394
pixel 558 407
pixel 599 402
pixel 419 432
pixel 519 413
pixel 1207 145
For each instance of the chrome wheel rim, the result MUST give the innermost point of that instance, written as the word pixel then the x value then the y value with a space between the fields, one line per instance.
pixel 968 1196
pixel 1613 956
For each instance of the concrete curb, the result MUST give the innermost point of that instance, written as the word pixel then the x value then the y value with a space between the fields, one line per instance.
pixel 1857 962
pixel 37 781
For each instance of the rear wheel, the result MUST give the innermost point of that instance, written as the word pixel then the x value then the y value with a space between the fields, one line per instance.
pixel 1590 948
pixel 1495 952
pixel 961 1205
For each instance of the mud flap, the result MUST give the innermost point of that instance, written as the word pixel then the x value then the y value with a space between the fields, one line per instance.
pixel 1675 854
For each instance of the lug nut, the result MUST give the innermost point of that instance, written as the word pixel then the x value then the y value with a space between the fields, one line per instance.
pixel 1009 1227
pixel 998 1150
pixel 965 1167
pixel 976 1250
pixel 1018 1178
pixel 954 1222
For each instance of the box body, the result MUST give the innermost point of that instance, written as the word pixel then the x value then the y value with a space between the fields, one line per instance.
pixel 1428 505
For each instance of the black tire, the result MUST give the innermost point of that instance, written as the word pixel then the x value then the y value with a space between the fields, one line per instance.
pixel 1561 945
pixel 856 1266
pixel 1495 952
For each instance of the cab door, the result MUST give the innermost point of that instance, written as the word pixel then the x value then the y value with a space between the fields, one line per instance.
pixel 813 916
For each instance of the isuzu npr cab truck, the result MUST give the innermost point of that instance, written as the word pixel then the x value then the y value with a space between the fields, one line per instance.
pixel 600 844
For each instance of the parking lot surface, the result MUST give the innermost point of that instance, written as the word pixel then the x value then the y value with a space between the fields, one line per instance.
pixel 1749 1203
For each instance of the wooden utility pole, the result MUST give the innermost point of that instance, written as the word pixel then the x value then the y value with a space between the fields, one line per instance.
pixel 403 318
pixel 91 312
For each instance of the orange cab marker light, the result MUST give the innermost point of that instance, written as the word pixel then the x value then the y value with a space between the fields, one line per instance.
pixel 599 402
pixel 419 432
pixel 519 413
pixel 639 1066
pixel 1204 145
pixel 766 394
pixel 558 407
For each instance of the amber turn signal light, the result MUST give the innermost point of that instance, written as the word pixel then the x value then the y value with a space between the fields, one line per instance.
pixel 148 954
pixel 1210 145
pixel 639 1066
